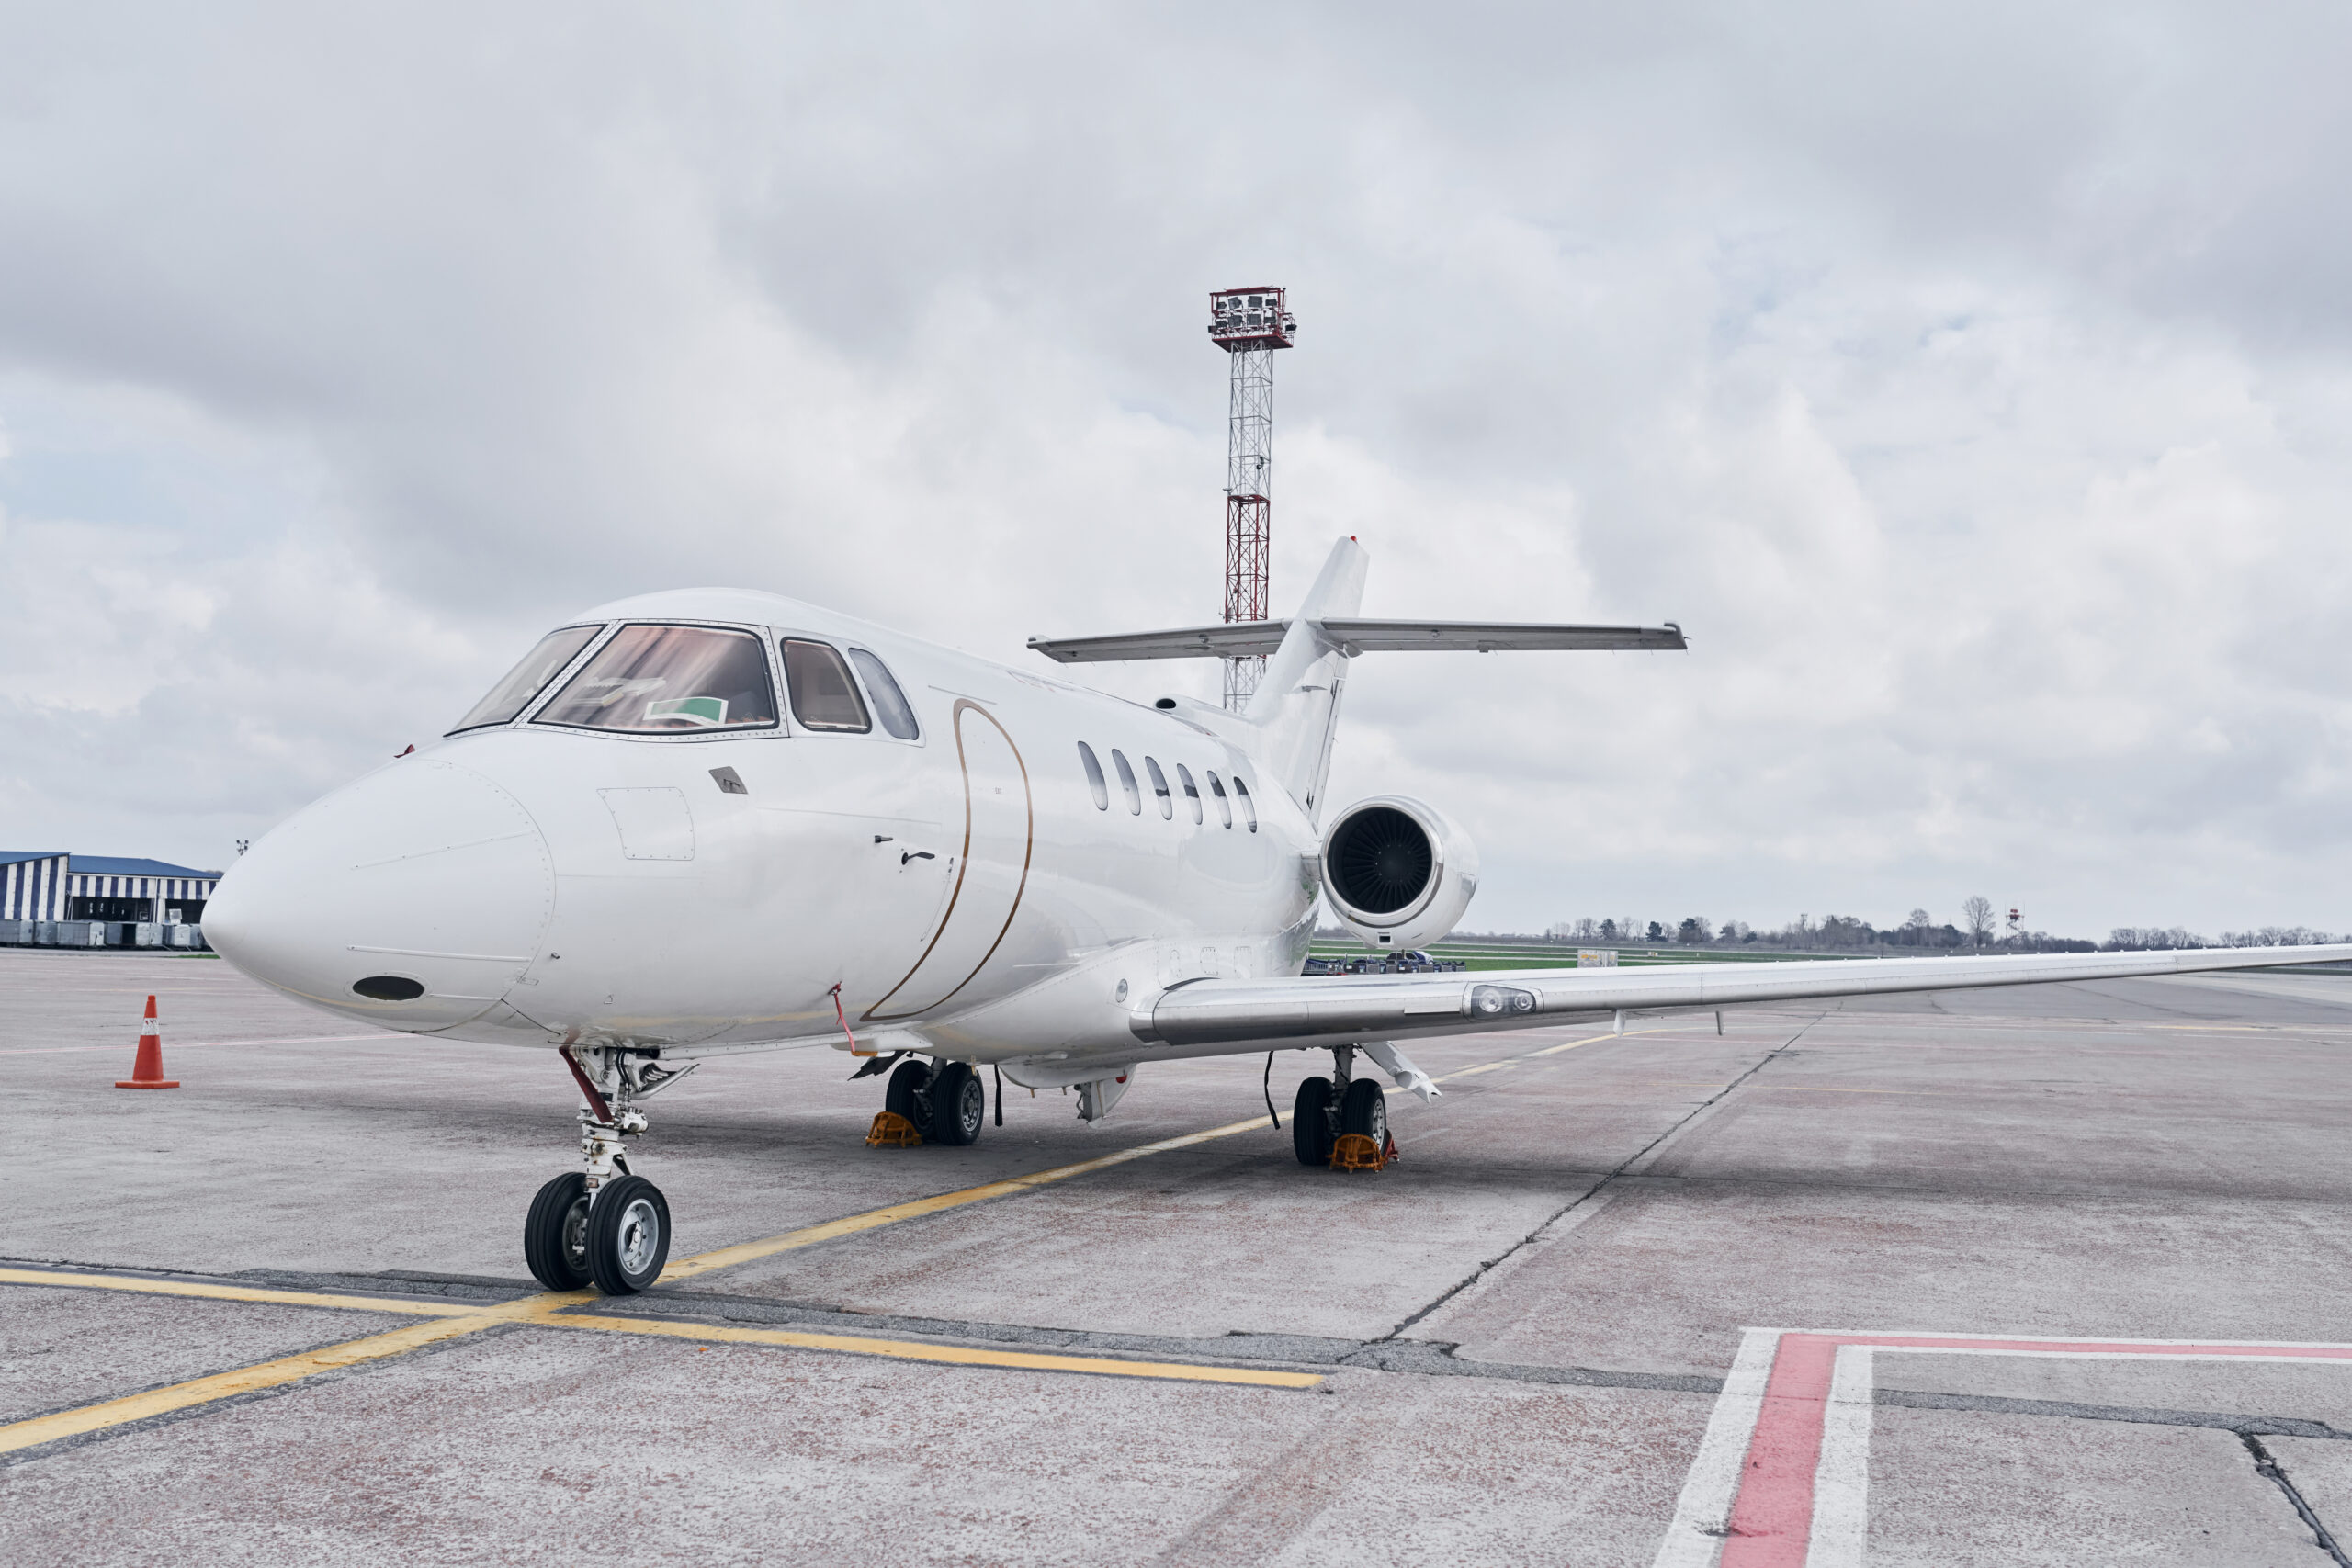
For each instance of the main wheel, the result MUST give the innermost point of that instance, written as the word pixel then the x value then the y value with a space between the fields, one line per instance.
pixel 1311 1122
pixel 960 1105
pixel 555 1236
pixel 909 1094
pixel 1365 1110
pixel 629 1236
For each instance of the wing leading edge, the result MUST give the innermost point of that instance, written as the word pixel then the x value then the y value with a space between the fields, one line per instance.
pixel 1354 636
pixel 1256 1014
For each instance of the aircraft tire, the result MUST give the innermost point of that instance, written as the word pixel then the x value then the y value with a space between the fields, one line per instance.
pixel 960 1105
pixel 1310 1128
pixel 908 1094
pixel 629 1236
pixel 1365 1110
pixel 555 1236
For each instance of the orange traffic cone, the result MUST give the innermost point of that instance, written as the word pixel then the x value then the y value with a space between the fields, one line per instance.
pixel 147 1068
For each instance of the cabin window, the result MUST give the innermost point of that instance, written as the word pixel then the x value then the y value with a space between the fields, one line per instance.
pixel 513 694
pixel 1191 791
pixel 1224 807
pixel 667 680
pixel 1159 788
pixel 1249 807
pixel 823 696
pixel 1127 781
pixel 890 704
pixel 1094 777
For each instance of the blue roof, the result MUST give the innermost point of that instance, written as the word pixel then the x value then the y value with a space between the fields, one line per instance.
pixel 113 865
pixel 10 857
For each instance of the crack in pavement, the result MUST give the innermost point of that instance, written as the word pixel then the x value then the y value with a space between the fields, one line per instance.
pixel 1598 1188
pixel 2269 1469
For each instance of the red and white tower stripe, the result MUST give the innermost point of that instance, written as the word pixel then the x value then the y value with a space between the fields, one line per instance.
pixel 1249 325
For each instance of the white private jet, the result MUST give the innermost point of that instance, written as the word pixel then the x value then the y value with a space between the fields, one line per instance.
pixel 712 821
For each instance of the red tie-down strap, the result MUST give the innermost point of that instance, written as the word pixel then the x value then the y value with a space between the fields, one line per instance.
pixel 843 1017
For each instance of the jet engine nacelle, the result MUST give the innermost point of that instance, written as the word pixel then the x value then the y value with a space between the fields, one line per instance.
pixel 1397 871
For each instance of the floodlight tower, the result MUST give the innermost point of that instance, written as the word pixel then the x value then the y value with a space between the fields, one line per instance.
pixel 1249 325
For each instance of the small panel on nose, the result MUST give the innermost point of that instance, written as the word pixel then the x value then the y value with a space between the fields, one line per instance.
pixel 654 824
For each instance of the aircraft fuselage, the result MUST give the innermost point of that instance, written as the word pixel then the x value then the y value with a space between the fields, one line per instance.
pixel 542 884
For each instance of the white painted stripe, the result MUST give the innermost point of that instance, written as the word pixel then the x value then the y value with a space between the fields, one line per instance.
pixel 1702 1512
pixel 1841 1514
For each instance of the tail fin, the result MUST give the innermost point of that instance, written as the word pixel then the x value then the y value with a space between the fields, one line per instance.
pixel 1296 712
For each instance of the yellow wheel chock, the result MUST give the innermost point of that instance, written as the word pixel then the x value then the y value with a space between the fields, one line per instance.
pixel 892 1131
pixel 1354 1151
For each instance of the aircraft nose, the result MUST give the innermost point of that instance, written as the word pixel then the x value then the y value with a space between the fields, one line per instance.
pixel 414 896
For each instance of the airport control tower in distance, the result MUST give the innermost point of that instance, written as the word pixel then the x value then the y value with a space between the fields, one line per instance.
pixel 1249 325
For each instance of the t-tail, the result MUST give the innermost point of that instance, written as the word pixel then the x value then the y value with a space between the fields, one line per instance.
pixel 1294 716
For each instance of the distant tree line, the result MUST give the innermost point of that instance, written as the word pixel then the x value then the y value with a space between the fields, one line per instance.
pixel 1917 932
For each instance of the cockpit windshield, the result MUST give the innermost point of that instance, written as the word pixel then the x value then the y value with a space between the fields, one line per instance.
pixel 514 693
pixel 663 679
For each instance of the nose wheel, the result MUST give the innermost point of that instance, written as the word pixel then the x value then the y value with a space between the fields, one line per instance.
pixel 555 1236
pixel 604 1225
pixel 629 1236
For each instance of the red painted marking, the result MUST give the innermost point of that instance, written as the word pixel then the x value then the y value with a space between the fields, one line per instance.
pixel 1772 1522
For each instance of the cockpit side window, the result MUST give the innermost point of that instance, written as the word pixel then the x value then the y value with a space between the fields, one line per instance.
pixel 659 680
pixel 1224 807
pixel 823 696
pixel 1191 791
pixel 1127 781
pixel 1159 788
pixel 513 694
pixel 1249 807
pixel 890 704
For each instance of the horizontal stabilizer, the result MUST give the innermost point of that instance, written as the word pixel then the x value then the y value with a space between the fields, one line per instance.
pixel 1354 636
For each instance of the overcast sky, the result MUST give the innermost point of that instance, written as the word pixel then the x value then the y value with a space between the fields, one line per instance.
pixel 1970 381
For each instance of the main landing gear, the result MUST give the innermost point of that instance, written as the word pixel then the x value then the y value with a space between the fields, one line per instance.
pixel 604 1225
pixel 1328 1108
pixel 946 1102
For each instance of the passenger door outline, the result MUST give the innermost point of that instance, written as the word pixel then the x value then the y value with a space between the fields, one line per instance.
pixel 955 900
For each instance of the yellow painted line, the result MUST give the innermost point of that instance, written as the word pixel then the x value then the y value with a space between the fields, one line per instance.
pixel 410 1305
pixel 274 1374
pixel 750 1251
pixel 953 1355
pixel 1595 1039
pixel 458 1320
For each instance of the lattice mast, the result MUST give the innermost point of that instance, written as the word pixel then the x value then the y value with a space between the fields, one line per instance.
pixel 1249 325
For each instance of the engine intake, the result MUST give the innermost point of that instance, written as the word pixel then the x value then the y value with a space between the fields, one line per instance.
pixel 1397 871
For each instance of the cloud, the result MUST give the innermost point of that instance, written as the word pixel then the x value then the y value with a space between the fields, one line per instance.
pixel 1970 386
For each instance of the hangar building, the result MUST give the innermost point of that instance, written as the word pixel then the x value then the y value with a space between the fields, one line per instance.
pixel 41 887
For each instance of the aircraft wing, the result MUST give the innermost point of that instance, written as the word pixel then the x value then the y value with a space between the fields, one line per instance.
pixel 1353 636
pixel 1343 1010
pixel 1235 640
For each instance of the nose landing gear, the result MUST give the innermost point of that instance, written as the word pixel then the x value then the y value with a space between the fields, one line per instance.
pixel 606 1225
